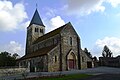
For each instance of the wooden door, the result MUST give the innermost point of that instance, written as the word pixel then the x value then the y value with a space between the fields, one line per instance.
pixel 71 64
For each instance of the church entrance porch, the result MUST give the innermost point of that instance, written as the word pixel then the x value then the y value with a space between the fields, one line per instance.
pixel 71 61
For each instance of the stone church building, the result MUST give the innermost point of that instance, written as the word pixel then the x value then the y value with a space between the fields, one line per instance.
pixel 58 50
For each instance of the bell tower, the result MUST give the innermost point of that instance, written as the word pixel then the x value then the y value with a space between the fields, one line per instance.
pixel 35 30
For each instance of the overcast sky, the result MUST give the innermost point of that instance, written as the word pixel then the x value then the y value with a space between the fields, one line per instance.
pixel 97 22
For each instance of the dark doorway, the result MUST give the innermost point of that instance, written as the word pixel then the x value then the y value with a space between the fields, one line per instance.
pixel 89 64
pixel 32 69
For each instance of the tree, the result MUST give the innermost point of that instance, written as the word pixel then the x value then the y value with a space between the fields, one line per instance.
pixel 16 56
pixel 106 52
pixel 6 59
pixel 95 58
pixel 88 53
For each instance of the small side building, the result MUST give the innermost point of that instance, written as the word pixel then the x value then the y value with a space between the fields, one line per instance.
pixel 86 60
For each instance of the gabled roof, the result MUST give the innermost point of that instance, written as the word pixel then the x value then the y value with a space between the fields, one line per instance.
pixel 40 52
pixel 36 19
pixel 50 34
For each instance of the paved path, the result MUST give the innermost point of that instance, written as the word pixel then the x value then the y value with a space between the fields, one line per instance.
pixel 103 77
pixel 93 71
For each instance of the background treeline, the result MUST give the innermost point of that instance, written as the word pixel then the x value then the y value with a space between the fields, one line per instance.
pixel 8 60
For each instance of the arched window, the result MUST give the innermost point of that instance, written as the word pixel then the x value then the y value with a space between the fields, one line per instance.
pixel 41 30
pixel 55 59
pixel 71 41
pixel 36 29
pixel 83 59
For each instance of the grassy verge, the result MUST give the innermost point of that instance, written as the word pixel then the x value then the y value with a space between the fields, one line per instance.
pixel 66 77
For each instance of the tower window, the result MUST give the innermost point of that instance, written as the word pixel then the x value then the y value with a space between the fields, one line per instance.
pixel 36 29
pixel 41 30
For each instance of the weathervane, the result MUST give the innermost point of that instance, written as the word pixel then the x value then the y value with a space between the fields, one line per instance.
pixel 36 5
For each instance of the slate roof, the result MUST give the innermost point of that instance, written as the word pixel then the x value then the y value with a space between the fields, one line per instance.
pixel 36 19
pixel 50 34
pixel 39 52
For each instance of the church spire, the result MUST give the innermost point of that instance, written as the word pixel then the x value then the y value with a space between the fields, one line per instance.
pixel 36 19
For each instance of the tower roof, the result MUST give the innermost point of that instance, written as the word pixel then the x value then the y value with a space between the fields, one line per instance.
pixel 36 19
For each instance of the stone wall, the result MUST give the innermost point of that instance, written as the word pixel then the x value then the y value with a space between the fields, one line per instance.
pixel 54 59
pixel 32 35
pixel 84 59
pixel 109 61
pixel 35 64
pixel 45 43
pixel 68 43
pixel 39 63
pixel 12 71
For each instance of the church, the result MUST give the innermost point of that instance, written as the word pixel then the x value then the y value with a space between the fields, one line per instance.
pixel 58 50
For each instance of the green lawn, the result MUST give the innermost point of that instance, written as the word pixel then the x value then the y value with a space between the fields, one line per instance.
pixel 66 77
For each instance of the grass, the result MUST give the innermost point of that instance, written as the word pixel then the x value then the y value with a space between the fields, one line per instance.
pixel 65 77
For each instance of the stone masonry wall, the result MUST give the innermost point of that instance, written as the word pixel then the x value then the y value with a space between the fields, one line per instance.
pixel 54 59
pixel 45 43
pixel 84 59
pixel 66 34
pixel 35 64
